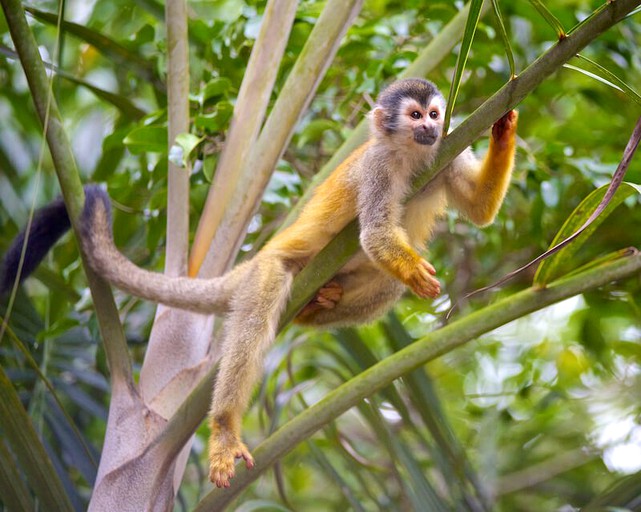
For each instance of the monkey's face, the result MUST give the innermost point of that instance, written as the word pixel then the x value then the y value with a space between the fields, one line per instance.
pixel 425 122
pixel 410 112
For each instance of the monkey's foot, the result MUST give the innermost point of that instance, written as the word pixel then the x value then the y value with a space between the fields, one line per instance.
pixel 326 298
pixel 422 281
pixel 223 453
pixel 504 130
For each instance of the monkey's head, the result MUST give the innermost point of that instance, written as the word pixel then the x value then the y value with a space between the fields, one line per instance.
pixel 410 111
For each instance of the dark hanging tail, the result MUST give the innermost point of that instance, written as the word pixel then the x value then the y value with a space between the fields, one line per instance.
pixel 48 225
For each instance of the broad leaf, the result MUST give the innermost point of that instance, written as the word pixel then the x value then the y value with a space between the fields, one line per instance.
pixel 551 267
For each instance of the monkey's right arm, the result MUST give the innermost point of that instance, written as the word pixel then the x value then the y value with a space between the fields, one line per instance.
pixel 382 237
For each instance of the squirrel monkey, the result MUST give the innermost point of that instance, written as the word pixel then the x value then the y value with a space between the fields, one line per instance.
pixel 372 183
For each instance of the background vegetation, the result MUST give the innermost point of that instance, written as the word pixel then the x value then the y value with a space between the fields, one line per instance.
pixel 540 414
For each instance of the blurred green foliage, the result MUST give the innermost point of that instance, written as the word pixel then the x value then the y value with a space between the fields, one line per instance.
pixel 539 415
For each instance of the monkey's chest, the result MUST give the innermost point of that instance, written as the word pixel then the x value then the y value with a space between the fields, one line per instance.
pixel 421 214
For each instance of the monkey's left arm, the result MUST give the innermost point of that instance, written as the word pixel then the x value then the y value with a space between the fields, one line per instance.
pixel 477 189
pixel 382 236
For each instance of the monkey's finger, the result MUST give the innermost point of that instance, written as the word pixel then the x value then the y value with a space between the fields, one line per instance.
pixel 432 290
pixel 425 286
pixel 428 266
pixel 221 479
pixel 331 291
pixel 325 303
pixel 333 295
pixel 505 126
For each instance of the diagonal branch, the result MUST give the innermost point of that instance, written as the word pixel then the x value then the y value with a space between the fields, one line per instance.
pixel 249 113
pixel 426 349
pixel 338 252
pixel 318 272
pixel 255 171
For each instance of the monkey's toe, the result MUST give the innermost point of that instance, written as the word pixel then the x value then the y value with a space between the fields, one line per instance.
pixel 329 295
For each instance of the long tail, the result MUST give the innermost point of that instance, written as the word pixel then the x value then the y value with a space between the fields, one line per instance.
pixel 47 226
pixel 199 295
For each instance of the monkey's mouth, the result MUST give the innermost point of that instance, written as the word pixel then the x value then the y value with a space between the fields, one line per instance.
pixel 425 138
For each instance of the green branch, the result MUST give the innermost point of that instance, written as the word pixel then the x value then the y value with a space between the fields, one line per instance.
pixel 330 259
pixel 249 114
pixel 422 351
pixel 71 186
pixel 338 252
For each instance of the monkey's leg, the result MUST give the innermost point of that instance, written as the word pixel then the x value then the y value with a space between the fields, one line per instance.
pixel 477 189
pixel 249 330
pixel 367 294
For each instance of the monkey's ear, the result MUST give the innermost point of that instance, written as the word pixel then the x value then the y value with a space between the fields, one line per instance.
pixel 379 119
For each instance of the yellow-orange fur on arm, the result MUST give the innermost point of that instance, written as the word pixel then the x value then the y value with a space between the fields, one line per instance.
pixel 478 192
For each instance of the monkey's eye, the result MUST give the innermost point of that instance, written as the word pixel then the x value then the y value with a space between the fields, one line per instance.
pixel 433 114
pixel 416 115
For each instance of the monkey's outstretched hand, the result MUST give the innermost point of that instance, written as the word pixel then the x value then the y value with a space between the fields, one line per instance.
pixel 504 130
pixel 422 281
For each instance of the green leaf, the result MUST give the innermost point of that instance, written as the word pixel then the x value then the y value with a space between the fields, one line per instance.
pixel 623 495
pixel 602 260
pixel 466 43
pixel 451 458
pixel 15 495
pixel 110 48
pixel 550 18
pixel 122 103
pixel 127 107
pixel 29 451
pixel 184 146
pixel 608 78
pixel 216 120
pixel 504 37
pixel 549 268
pixel 341 483
pixel 224 10
pixel 314 131
pixel 209 167
pixel 151 139
pixel 215 87
pixel 364 357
